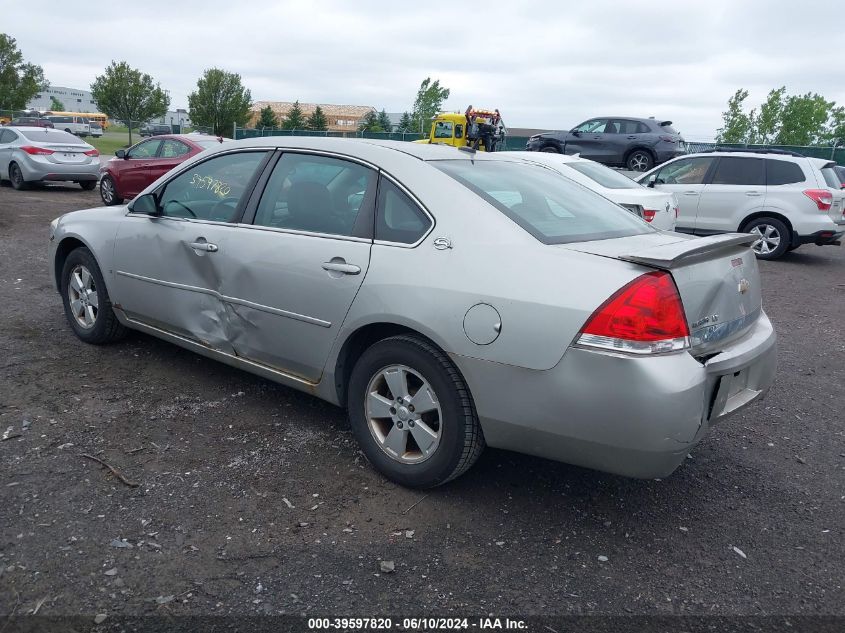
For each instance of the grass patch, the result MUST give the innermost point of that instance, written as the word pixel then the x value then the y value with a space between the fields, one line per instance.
pixel 110 141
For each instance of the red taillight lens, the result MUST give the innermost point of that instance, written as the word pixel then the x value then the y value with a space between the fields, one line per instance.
pixel 822 197
pixel 644 317
pixel 677 211
pixel 648 214
pixel 36 151
pixel 92 152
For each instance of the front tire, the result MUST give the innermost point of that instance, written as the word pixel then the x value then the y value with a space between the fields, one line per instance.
pixel 16 177
pixel 108 192
pixel 88 308
pixel 412 413
pixel 639 160
pixel 88 185
pixel 772 237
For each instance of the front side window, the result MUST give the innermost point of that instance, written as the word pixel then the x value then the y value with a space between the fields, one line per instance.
pixel 686 171
pixel 318 194
pixel 596 126
pixel 735 170
pixel 398 218
pixel 212 189
pixel 146 149
pixel 443 129
pixel 173 149
pixel 554 210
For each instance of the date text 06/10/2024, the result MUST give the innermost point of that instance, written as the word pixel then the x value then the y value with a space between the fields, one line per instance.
pixel 416 624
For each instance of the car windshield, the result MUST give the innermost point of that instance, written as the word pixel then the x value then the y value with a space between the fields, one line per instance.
pixel 604 176
pixel 668 129
pixel 46 135
pixel 553 209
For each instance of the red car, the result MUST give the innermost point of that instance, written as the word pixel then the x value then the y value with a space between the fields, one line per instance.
pixel 129 173
pixel 31 121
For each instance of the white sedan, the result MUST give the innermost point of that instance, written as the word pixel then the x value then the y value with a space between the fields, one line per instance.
pixel 659 208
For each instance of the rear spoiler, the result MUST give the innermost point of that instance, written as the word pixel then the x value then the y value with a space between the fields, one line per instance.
pixel 665 123
pixel 670 255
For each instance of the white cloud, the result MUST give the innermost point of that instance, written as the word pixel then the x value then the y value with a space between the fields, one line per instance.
pixel 544 64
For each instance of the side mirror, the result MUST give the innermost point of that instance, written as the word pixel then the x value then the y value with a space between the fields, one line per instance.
pixel 146 204
pixel 652 180
pixel 120 153
pixel 575 133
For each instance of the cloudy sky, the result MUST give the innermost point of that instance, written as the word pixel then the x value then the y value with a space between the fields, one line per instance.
pixel 545 64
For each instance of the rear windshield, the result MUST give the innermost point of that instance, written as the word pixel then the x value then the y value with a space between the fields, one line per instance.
pixel 831 178
pixel 553 209
pixel 46 135
pixel 667 128
pixel 604 176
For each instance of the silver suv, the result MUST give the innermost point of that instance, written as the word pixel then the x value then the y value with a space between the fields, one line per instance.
pixel 787 199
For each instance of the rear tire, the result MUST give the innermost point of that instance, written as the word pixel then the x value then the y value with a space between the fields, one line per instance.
pixel 423 447
pixel 551 149
pixel 772 237
pixel 88 308
pixel 108 192
pixel 639 160
pixel 16 177
pixel 88 185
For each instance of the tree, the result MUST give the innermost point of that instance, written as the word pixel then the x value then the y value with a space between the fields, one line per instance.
pixel 804 119
pixel 267 118
pixel 317 121
pixel 370 123
pixel 295 120
pixel 128 95
pixel 736 124
pixel 220 101
pixel 56 105
pixel 384 122
pixel 19 81
pixel 405 123
pixel 768 123
pixel 430 98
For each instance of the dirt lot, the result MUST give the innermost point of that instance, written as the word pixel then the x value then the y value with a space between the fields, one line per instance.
pixel 254 499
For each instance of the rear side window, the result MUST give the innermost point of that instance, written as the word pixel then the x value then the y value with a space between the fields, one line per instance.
pixel 831 178
pixel 553 209
pixel 7 136
pixel 782 172
pixel 398 219
pixel 630 127
pixel 734 170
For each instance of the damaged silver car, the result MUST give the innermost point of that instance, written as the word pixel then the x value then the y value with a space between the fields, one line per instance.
pixel 449 300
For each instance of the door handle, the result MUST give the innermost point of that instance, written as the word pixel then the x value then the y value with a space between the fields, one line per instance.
pixel 208 247
pixel 690 193
pixel 632 138
pixel 341 267
pixel 753 193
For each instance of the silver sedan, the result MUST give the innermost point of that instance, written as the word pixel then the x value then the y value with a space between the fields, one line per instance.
pixel 449 300
pixel 39 154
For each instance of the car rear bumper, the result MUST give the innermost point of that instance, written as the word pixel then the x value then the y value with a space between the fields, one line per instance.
pixel 631 416
pixel 37 170
pixel 662 155
pixel 827 237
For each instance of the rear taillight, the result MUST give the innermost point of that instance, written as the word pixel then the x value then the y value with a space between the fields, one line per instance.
pixel 648 214
pixel 644 317
pixel 669 139
pixel 92 152
pixel 677 211
pixel 822 197
pixel 36 151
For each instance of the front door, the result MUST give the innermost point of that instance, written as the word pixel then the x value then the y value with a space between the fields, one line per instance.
pixel 686 178
pixel 589 140
pixel 168 267
pixel 293 275
pixel 135 168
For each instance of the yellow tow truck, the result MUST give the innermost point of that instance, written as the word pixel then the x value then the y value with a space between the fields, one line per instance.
pixel 480 129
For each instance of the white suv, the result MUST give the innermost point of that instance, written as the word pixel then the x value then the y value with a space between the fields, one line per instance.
pixel 785 198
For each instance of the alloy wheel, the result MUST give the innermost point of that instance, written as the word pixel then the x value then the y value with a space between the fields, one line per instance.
pixel 403 414
pixel 638 162
pixel 107 190
pixel 768 239
pixel 82 294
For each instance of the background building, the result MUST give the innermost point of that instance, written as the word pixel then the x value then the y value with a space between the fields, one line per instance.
pixel 340 118
pixel 74 100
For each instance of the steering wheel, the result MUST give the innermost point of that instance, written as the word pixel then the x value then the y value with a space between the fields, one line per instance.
pixel 226 205
pixel 188 209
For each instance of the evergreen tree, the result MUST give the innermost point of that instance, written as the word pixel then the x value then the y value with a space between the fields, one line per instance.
pixel 267 119
pixel 295 119
pixel 405 123
pixel 317 121
pixel 370 123
pixel 384 122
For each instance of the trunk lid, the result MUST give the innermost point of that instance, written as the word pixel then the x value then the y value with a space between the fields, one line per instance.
pixel 717 278
pixel 67 154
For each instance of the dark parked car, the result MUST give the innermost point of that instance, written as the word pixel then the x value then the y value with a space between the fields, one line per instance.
pixel 154 129
pixel 31 121
pixel 129 173
pixel 638 144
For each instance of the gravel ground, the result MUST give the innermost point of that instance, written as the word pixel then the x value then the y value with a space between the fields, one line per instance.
pixel 254 499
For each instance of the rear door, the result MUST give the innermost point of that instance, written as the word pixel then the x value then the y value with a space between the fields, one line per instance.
pixel 736 189
pixel 292 276
pixel 135 168
pixel 686 178
pixel 628 134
